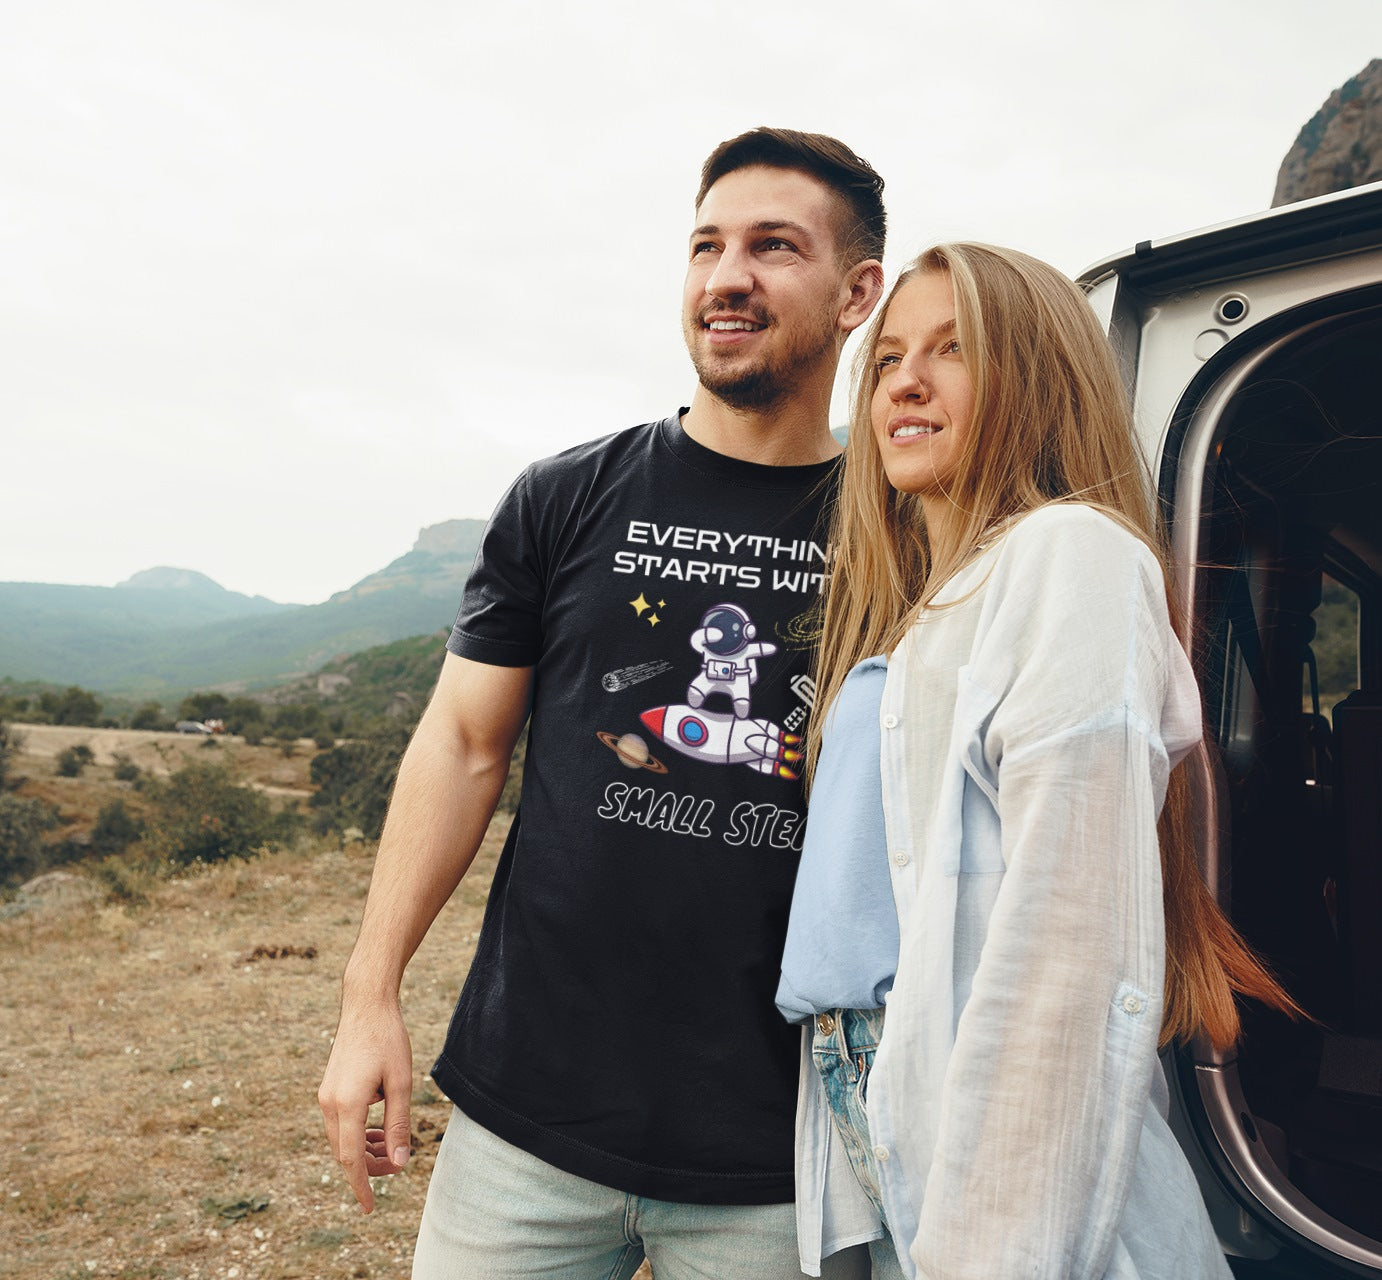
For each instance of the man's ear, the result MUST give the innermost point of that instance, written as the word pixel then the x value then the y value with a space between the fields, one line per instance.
pixel 863 286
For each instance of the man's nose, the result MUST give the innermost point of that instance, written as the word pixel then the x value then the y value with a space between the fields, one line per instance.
pixel 732 277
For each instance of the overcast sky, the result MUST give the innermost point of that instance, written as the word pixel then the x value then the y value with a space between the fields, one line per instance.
pixel 282 281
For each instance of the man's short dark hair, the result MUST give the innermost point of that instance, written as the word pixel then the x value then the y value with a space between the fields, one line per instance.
pixel 824 158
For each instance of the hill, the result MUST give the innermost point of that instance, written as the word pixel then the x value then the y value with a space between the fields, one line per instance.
pixel 388 681
pixel 166 631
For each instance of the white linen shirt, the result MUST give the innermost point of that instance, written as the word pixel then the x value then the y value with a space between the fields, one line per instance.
pixel 1016 1104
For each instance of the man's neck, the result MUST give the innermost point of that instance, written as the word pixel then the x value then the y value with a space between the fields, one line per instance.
pixel 793 432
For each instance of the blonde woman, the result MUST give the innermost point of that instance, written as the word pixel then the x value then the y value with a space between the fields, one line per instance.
pixel 1005 703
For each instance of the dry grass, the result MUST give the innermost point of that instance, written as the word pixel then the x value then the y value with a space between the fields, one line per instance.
pixel 158 1086
pixel 158 1078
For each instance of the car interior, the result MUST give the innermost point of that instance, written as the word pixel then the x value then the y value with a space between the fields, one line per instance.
pixel 1287 634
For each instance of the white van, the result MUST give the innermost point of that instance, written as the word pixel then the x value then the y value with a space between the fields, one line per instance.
pixel 1254 355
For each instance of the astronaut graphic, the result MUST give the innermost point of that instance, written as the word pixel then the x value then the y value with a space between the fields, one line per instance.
pixel 726 641
pixel 729 649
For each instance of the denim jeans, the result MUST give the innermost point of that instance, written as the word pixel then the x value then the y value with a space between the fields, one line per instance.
pixel 495 1212
pixel 843 1045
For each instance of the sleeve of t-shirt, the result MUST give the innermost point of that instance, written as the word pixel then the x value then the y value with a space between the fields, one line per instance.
pixel 500 619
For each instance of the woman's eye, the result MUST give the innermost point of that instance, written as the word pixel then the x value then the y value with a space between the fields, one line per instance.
pixel 886 362
pixel 951 347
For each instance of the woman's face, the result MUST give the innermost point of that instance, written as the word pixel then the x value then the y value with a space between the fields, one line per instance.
pixel 924 400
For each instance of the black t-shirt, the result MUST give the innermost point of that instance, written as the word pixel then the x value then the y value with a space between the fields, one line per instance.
pixel 618 1020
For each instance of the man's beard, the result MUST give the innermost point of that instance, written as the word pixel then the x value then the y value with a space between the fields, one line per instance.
pixel 749 390
pixel 762 384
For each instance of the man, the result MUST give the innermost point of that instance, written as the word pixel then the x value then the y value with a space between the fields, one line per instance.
pixel 623 1082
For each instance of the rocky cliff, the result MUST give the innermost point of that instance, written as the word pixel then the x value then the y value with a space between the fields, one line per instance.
pixel 1341 146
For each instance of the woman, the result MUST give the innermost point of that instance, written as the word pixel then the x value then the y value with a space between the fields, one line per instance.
pixel 1005 702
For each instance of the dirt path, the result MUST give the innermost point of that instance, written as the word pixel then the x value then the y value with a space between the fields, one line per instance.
pixel 149 749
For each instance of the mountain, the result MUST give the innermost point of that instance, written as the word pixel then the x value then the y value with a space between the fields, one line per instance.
pixel 166 631
pixel 188 582
pixel 1341 145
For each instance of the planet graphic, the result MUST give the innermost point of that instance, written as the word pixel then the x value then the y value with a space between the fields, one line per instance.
pixel 632 752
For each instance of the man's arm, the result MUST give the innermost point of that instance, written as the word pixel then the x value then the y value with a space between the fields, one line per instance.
pixel 448 785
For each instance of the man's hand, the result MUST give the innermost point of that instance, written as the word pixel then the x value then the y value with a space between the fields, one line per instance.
pixel 371 1060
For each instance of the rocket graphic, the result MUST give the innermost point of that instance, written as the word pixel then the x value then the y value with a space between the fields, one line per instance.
pixel 717 737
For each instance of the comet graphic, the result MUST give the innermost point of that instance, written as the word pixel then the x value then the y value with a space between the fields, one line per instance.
pixel 627 677
pixel 717 737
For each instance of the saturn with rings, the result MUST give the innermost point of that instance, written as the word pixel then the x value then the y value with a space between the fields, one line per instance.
pixel 632 751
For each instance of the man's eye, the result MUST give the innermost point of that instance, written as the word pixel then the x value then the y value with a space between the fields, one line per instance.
pixel 704 246
pixel 778 244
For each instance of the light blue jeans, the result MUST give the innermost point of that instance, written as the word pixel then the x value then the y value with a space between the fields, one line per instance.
pixel 497 1213
pixel 843 1045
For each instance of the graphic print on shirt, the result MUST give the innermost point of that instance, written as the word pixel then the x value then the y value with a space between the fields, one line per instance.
pixel 736 646
pixel 727 642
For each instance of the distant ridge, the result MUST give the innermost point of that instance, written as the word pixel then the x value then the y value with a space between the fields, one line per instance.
pixel 167 630
pixel 165 578
pixel 1340 146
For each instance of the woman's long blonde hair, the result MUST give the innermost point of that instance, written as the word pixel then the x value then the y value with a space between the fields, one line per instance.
pixel 1051 423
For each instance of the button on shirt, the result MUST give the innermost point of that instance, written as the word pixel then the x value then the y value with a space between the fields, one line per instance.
pixel 842 937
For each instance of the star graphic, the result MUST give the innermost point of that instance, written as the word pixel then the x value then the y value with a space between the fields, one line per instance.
pixel 662 604
pixel 640 604
pixel 654 620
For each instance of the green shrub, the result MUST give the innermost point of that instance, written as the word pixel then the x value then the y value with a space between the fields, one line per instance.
pixel 125 769
pixel 115 829
pixel 354 781
pixel 202 814
pixel 22 824
pixel 72 760
pixel 128 877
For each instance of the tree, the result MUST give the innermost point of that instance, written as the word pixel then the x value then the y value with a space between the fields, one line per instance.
pixel 298 720
pixel 244 716
pixel 204 706
pixel 74 705
pixel 150 716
